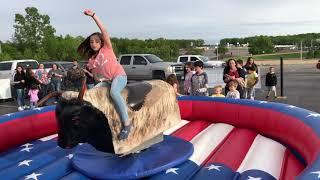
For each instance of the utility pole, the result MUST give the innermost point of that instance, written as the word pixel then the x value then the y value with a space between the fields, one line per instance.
pixel 301 51
pixel 312 49
pixel 238 44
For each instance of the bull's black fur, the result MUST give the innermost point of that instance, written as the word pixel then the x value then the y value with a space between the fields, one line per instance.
pixel 80 122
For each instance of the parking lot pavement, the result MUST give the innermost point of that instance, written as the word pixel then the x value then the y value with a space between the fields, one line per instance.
pixel 301 87
pixel 8 107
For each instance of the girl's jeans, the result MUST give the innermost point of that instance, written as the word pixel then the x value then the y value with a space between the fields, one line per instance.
pixel 20 97
pixel 33 105
pixel 117 85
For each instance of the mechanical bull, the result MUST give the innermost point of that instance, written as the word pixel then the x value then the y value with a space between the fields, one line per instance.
pixel 89 116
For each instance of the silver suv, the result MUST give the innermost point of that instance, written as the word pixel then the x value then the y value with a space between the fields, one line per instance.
pixel 147 66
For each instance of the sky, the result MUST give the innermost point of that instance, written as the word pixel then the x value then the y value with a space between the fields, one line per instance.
pixel 210 20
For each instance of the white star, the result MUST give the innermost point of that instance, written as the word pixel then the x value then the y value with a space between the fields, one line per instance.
pixel 70 156
pixel 172 170
pixel 26 145
pixel 291 106
pixel 9 114
pixel 26 149
pixel 212 166
pixel 263 102
pixel 313 115
pixel 316 172
pixel 254 178
pixel 25 162
pixel 38 109
pixel 32 176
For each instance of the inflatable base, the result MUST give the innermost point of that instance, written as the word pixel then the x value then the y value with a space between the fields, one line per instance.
pixel 169 153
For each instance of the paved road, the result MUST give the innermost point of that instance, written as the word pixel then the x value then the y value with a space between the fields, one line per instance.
pixel 301 86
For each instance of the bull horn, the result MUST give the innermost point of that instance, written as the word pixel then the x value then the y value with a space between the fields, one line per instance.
pixel 49 96
pixel 83 89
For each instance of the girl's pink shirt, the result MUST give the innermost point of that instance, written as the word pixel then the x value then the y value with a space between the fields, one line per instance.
pixel 106 64
pixel 33 93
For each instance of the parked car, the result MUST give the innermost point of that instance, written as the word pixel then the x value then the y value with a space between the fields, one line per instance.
pixel 148 66
pixel 63 65
pixel 318 65
pixel 207 62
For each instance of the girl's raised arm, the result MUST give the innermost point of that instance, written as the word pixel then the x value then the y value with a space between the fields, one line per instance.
pixel 103 30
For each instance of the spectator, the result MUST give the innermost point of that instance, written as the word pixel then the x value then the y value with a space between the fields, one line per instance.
pixel 233 93
pixel 232 72
pixel 19 81
pixel 199 80
pixel 217 91
pixel 42 76
pixel 271 82
pixel 173 81
pixel 31 79
pixel 251 80
pixel 89 77
pixel 188 72
pixel 250 63
pixel 56 77
pixel 33 93
pixel 74 78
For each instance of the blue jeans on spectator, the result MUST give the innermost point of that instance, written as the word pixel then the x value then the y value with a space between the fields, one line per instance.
pixel 55 85
pixel 250 93
pixel 20 97
pixel 33 105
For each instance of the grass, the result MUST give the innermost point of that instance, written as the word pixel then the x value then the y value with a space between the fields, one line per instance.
pixel 277 56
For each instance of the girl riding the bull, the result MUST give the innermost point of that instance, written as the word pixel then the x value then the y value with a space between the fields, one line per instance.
pixel 105 67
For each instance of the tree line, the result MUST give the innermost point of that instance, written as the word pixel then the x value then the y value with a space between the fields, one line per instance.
pixel 34 38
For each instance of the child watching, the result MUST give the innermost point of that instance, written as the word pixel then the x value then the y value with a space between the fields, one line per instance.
pixel 188 72
pixel 233 92
pixel 271 82
pixel 199 80
pixel 33 93
pixel 251 80
pixel 173 81
pixel 217 91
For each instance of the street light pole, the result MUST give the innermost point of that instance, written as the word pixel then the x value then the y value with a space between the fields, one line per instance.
pixel 238 44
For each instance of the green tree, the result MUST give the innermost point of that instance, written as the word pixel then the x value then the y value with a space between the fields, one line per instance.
pixel 261 45
pixel 31 29
pixel 222 49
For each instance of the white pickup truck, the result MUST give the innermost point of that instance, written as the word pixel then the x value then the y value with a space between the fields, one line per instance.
pixel 148 66
pixel 206 60
pixel 7 72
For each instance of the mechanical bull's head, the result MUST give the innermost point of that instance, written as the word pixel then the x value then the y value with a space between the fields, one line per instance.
pixel 80 122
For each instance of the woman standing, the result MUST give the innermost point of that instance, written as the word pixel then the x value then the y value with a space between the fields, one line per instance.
pixel 250 63
pixel 19 84
pixel 232 72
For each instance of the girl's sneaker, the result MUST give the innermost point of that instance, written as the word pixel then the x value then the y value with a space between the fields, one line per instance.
pixel 125 132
